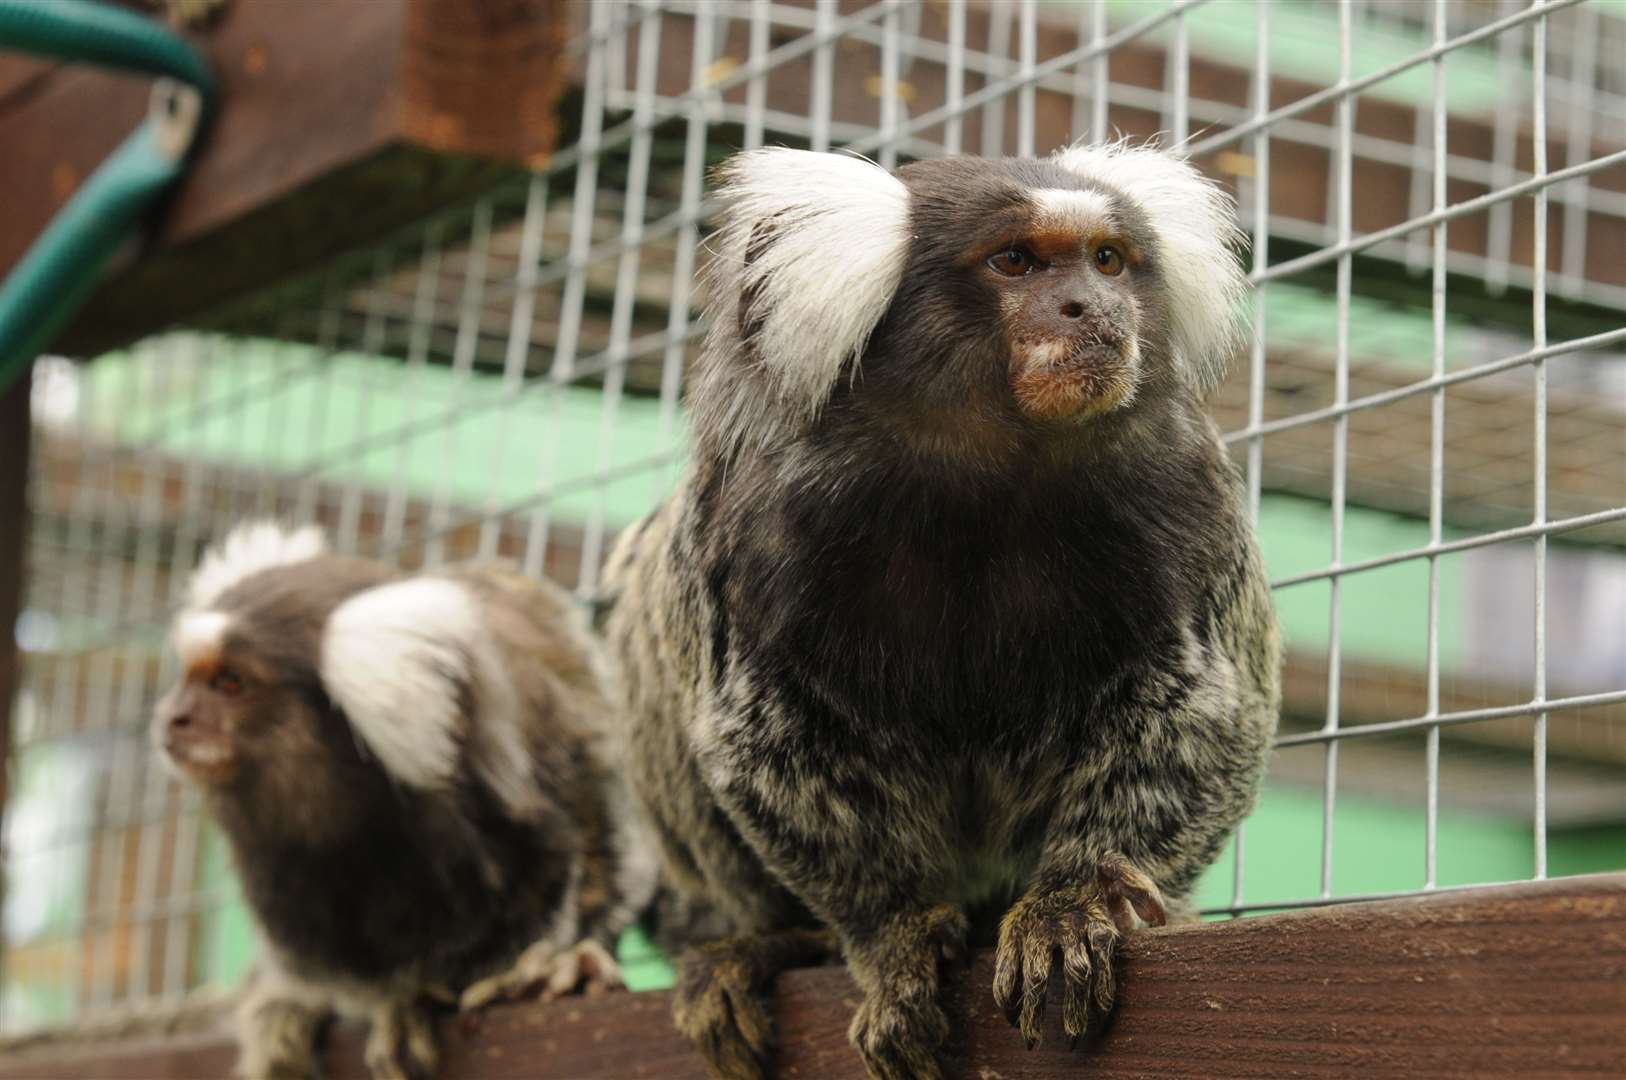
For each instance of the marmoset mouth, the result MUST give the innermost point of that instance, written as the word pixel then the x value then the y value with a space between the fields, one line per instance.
pixel 1063 378
pixel 203 759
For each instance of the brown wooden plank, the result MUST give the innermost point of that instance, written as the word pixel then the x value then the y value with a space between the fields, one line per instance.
pixel 302 88
pixel 484 78
pixel 19 76
pixel 340 120
pixel 45 159
pixel 352 206
pixel 1513 981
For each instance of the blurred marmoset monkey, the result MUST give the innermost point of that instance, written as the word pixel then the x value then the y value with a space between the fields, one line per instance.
pixel 956 613
pixel 413 774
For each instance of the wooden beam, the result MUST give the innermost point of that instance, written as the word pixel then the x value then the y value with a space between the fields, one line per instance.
pixel 15 430
pixel 340 120
pixel 1512 981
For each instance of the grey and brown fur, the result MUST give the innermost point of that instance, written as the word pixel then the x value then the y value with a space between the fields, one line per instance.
pixel 956 618
pixel 467 838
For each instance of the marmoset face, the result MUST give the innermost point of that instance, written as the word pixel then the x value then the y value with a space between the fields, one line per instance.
pixel 1074 340
pixel 235 707
pixel 250 716
pixel 1069 277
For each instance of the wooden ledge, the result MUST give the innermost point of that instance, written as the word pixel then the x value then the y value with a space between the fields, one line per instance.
pixel 1523 980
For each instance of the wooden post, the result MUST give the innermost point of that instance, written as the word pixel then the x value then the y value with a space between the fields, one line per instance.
pixel 14 442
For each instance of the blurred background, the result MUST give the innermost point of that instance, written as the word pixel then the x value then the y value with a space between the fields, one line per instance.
pixel 1431 419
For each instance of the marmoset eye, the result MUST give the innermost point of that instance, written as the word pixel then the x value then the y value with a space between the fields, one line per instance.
pixel 1014 262
pixel 226 681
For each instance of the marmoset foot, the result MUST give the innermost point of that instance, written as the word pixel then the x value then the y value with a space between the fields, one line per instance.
pixel 722 1002
pixel 1079 923
pixel 586 966
pixel 900 1026
pixel 401 1044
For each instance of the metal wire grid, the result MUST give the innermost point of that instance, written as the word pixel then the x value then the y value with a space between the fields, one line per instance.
pixel 503 314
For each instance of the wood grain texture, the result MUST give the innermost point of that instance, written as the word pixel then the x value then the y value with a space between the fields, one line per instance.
pixel 484 78
pixel 1516 981
pixel 339 121
pixel 45 159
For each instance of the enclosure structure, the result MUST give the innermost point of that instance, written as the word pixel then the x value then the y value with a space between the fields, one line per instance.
pixel 1431 421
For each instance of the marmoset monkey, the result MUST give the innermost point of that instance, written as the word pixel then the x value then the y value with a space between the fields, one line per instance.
pixel 412 773
pixel 956 612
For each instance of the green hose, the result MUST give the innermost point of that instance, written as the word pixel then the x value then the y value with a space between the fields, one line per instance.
pixel 59 271
pixel 110 37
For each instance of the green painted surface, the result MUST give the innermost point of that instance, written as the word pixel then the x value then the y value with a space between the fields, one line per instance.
pixel 1377 847
pixel 278 406
pixel 643 964
pixel 1595 850
pixel 1299 318
pixel 1384 612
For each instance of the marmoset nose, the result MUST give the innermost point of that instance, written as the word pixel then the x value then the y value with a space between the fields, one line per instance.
pixel 1072 309
pixel 180 721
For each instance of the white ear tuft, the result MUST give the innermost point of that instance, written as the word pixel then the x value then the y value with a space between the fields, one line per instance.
pixel 1197 237
pixel 815 244
pixel 415 671
pixel 396 659
pixel 248 549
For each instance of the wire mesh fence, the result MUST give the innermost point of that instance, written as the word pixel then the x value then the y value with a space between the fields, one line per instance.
pixel 1431 418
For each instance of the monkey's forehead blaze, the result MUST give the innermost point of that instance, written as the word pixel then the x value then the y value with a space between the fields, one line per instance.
pixel 1052 215
pixel 988 197
pixel 200 639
